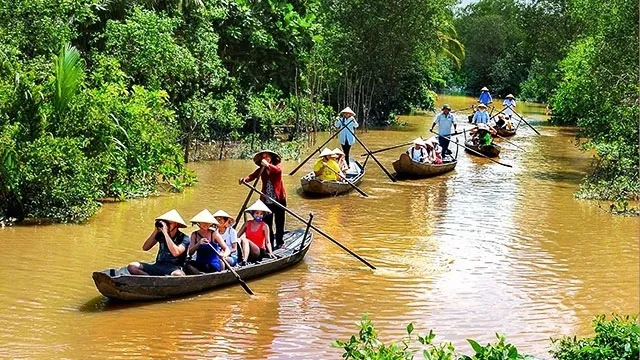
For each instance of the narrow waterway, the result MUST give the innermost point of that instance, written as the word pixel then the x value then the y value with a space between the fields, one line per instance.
pixel 483 249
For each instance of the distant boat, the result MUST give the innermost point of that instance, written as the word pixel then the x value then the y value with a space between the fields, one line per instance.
pixel 406 167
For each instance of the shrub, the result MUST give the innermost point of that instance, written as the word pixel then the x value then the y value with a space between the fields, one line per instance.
pixel 616 338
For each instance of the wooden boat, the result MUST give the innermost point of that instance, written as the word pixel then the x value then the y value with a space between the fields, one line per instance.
pixel 492 150
pixel 505 132
pixel 311 185
pixel 405 167
pixel 119 284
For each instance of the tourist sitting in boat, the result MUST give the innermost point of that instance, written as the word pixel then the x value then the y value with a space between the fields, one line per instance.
pixel 434 149
pixel 228 234
pixel 500 123
pixel 481 135
pixel 254 235
pixel 485 96
pixel 340 159
pixel 327 169
pixel 208 243
pixel 172 247
pixel 481 116
pixel 418 151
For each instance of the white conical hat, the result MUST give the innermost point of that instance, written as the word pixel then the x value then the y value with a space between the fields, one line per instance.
pixel 173 216
pixel 258 206
pixel 223 214
pixel 204 216
pixel 418 141
pixel 347 110
pixel 337 151
pixel 510 96
pixel 326 152
pixel 482 105
pixel 484 89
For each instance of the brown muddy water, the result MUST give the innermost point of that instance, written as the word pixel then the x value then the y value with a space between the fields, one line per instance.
pixel 480 250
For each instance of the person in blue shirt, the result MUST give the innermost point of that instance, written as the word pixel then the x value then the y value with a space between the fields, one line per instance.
pixel 346 137
pixel 485 96
pixel 481 116
pixel 444 120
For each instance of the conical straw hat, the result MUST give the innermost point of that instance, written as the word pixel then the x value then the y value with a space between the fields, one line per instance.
pixel 173 216
pixel 337 151
pixel 222 213
pixel 484 89
pixel 510 96
pixel 204 216
pixel 347 110
pixel 275 158
pixel 326 152
pixel 258 206
pixel 418 141
pixel 481 105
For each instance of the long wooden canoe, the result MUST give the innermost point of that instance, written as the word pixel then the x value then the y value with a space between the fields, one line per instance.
pixel 405 167
pixel 119 284
pixel 311 185
pixel 492 150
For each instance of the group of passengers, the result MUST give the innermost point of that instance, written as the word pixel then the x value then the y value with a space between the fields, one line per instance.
pixel 426 151
pixel 212 247
pixel 331 165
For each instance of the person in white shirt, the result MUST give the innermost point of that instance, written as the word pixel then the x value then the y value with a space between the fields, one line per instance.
pixel 417 152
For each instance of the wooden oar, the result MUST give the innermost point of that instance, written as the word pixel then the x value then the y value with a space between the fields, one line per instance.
pixel 246 201
pixel 311 226
pixel 521 118
pixel 226 263
pixel 373 157
pixel 388 148
pixel 318 149
pixel 475 152
pixel 345 179
pixel 509 141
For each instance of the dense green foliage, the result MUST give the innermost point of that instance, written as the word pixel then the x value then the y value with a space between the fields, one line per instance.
pixel 615 338
pixel 582 57
pixel 108 96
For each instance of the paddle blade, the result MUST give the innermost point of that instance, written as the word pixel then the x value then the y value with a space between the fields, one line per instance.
pixel 246 287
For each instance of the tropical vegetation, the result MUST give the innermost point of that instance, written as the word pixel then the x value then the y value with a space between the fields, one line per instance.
pixel 617 337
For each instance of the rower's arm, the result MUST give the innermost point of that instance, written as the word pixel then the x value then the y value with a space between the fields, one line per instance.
pixel 193 244
pixel 252 176
pixel 151 240
pixel 222 243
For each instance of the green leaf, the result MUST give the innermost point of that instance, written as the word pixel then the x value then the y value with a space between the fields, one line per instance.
pixel 476 347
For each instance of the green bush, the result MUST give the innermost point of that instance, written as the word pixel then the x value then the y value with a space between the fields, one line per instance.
pixel 57 180
pixel 617 338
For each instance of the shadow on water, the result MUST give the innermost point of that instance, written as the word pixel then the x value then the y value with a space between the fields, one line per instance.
pixel 573 177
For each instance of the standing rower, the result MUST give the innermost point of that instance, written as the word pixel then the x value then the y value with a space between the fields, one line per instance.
pixel 273 187
pixel 510 105
pixel 444 120
pixel 347 122
pixel 481 116
pixel 485 96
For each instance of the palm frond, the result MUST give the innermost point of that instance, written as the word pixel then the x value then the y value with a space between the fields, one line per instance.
pixel 69 70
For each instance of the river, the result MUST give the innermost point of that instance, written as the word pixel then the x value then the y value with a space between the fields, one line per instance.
pixel 480 250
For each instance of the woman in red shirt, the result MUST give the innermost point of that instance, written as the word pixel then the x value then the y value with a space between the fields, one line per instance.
pixel 254 234
pixel 272 186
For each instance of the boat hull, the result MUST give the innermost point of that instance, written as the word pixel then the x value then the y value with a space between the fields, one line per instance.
pixel 118 284
pixel 312 186
pixel 491 151
pixel 407 168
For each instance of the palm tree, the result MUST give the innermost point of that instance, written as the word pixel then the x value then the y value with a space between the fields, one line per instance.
pixel 69 69
pixel 450 46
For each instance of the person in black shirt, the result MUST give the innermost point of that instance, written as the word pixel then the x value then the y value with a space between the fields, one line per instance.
pixel 172 251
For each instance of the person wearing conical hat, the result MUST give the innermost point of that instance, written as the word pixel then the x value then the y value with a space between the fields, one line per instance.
pixel 208 243
pixel 481 116
pixel 172 247
pixel 326 168
pixel 254 235
pixel 510 105
pixel 485 96
pixel 273 187
pixel 445 121
pixel 482 135
pixel 417 151
pixel 347 122
pixel 228 234
pixel 339 157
